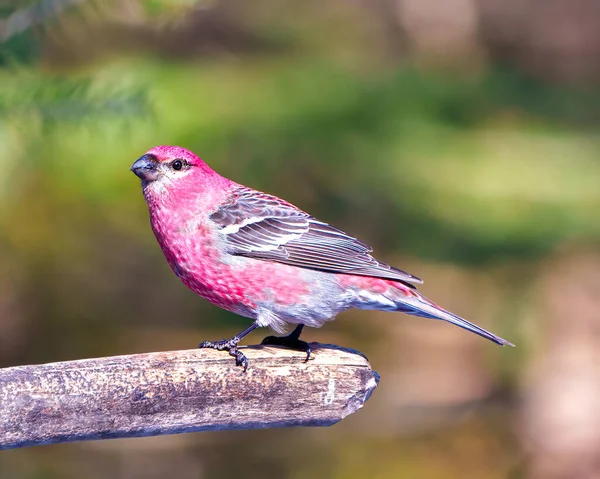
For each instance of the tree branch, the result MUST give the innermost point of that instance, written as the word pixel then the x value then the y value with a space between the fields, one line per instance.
pixel 179 391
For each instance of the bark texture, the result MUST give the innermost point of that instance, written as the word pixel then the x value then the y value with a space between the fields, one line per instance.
pixel 180 391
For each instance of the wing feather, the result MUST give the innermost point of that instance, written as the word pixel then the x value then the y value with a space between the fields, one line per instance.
pixel 264 227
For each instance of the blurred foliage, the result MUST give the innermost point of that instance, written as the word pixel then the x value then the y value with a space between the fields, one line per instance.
pixel 461 156
pixel 475 175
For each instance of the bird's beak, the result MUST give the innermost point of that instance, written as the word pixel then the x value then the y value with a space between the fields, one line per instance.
pixel 146 168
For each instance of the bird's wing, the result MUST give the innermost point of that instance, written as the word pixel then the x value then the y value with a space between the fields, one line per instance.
pixel 262 226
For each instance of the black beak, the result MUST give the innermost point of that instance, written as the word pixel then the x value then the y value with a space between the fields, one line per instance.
pixel 146 168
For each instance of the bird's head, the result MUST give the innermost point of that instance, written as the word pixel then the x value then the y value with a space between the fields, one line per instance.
pixel 167 164
pixel 166 169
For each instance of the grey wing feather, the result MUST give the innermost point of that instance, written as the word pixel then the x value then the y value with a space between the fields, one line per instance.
pixel 261 226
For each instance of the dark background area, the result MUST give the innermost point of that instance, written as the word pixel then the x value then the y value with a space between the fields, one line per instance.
pixel 460 138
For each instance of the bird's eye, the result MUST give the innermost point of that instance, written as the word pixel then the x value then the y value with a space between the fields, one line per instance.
pixel 177 165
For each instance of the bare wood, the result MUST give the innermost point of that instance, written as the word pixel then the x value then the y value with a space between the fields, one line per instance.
pixel 179 391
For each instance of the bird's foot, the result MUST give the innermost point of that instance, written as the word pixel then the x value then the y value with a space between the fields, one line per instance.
pixel 291 341
pixel 229 345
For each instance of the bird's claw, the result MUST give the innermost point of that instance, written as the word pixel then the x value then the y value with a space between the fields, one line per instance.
pixel 229 345
pixel 240 358
pixel 223 345
pixel 291 342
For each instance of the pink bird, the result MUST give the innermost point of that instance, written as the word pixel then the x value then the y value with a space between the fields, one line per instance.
pixel 261 257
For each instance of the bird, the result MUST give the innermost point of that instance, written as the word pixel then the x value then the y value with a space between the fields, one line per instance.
pixel 263 258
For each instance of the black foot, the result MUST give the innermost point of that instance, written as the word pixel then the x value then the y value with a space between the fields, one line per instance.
pixel 290 341
pixel 229 345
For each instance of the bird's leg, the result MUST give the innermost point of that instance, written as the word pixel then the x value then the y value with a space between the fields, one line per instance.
pixel 291 341
pixel 230 345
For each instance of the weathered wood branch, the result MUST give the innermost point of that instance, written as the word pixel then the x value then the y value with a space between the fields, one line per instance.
pixel 179 391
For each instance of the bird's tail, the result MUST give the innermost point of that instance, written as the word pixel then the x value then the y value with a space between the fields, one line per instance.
pixel 419 305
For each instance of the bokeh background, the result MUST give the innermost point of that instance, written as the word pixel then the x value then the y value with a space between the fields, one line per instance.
pixel 459 137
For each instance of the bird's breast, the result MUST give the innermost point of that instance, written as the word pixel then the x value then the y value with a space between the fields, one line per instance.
pixel 197 254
